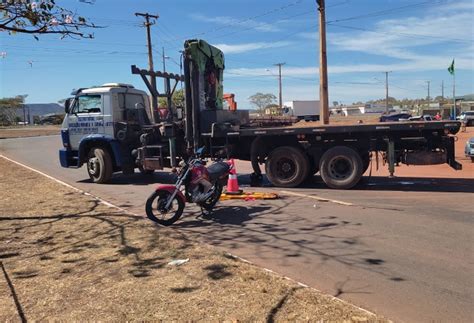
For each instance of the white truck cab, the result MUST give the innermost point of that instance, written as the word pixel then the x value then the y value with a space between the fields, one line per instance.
pixel 96 122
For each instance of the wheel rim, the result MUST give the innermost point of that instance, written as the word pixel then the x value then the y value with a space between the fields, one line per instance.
pixel 285 168
pixel 163 213
pixel 93 166
pixel 340 167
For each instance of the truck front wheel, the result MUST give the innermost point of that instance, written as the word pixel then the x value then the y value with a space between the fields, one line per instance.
pixel 341 167
pixel 287 167
pixel 99 165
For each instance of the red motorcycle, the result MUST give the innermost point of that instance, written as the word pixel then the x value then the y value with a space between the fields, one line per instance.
pixel 202 185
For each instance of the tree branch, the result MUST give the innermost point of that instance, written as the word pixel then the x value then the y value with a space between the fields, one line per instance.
pixel 43 30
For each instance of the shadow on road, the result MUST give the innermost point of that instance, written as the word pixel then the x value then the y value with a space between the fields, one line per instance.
pixel 315 237
pixel 382 183
pixel 139 179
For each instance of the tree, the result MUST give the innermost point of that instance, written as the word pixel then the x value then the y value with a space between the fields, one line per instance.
pixel 274 109
pixel 177 99
pixel 9 108
pixel 261 100
pixel 41 17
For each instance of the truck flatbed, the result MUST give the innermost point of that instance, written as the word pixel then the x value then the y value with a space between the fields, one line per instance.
pixel 452 127
pixel 341 152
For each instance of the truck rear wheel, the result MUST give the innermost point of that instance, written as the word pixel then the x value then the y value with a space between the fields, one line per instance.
pixel 145 171
pixel 287 167
pixel 99 165
pixel 341 167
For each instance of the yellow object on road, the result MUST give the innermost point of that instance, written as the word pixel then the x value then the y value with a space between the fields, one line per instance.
pixel 249 196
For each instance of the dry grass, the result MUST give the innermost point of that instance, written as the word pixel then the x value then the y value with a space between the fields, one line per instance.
pixel 28 131
pixel 69 257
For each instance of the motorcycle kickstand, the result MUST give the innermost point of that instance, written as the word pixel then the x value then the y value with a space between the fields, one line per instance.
pixel 205 214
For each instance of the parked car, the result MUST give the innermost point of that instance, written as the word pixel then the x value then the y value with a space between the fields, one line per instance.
pixel 395 117
pixel 426 117
pixel 469 150
pixel 467 117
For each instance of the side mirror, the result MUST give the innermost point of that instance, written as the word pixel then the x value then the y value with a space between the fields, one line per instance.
pixel 67 105
pixel 199 151
pixel 139 105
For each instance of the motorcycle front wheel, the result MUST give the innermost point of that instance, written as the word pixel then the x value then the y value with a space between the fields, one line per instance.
pixel 209 204
pixel 156 208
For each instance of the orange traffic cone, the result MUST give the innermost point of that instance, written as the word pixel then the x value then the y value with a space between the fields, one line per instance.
pixel 232 182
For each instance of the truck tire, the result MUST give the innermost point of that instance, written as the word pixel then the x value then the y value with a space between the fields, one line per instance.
pixel 144 171
pixel 287 166
pixel 314 169
pixel 341 167
pixel 99 165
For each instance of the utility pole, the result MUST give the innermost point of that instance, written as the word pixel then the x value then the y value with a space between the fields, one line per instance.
pixel 429 83
pixel 166 81
pixel 442 90
pixel 280 95
pixel 323 64
pixel 163 57
pixel 148 24
pixel 181 58
pixel 386 91
pixel 24 114
pixel 454 113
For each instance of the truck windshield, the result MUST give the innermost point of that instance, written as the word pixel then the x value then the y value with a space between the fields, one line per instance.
pixel 87 104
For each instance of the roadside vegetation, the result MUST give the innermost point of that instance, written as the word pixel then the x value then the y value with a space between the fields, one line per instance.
pixel 29 131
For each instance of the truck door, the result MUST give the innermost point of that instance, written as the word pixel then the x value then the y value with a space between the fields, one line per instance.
pixel 86 118
pixel 108 110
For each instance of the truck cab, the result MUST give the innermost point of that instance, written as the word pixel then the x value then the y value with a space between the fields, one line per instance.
pixel 102 127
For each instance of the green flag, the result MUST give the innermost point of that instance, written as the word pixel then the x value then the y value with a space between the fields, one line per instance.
pixel 451 68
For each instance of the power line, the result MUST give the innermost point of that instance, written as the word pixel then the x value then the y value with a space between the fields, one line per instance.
pixel 403 34
pixel 386 11
pixel 244 20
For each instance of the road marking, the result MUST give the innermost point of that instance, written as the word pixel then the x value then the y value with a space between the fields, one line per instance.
pixel 317 198
pixel 102 201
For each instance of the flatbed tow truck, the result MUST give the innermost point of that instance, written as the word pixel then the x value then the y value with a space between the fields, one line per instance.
pixel 116 134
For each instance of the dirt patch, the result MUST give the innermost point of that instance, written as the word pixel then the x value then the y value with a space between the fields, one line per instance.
pixel 68 257
pixel 29 131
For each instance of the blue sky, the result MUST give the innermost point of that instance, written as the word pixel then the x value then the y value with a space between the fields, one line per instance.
pixel 415 40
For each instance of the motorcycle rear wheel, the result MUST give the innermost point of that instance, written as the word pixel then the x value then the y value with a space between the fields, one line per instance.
pixel 156 212
pixel 209 204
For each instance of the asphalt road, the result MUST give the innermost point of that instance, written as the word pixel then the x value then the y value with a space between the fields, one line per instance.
pixel 403 249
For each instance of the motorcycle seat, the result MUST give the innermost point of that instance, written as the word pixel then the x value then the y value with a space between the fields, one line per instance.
pixel 217 169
